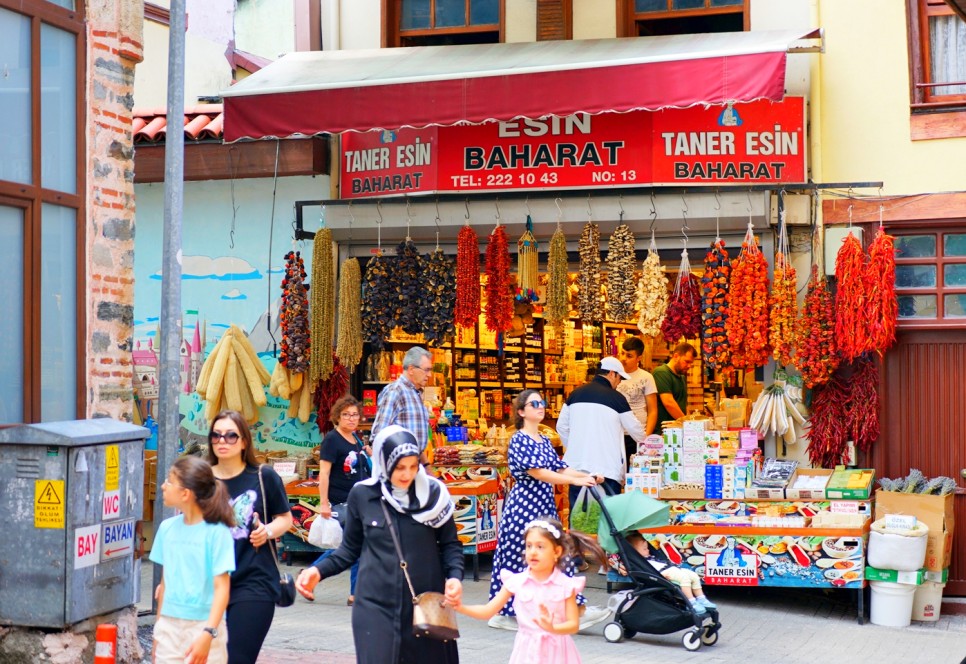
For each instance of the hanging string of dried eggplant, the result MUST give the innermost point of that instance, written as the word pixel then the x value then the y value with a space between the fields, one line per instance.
pixel 652 293
pixel 621 285
pixel 378 303
pixel 783 315
pixel 683 317
pixel 715 349
pixel 348 347
pixel 880 282
pixel 589 305
pixel 747 324
pixel 438 299
pixel 322 297
pixel 528 277
pixel 816 355
pixel 851 313
pixel 407 272
pixel 293 316
pixel 557 308
pixel 467 311
pixel 499 296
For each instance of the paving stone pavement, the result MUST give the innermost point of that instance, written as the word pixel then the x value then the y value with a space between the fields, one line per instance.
pixel 758 625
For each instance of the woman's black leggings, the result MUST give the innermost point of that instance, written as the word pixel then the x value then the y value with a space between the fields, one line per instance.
pixel 248 623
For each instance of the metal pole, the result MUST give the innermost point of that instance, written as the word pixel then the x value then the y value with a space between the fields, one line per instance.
pixel 169 381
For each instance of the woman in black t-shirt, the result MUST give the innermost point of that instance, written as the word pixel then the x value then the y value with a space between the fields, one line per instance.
pixel 254 583
pixel 343 461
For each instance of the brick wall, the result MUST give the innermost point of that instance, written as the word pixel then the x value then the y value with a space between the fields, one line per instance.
pixel 114 47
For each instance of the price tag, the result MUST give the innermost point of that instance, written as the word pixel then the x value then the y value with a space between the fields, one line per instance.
pixel 900 522
pixel 285 467
pixel 844 507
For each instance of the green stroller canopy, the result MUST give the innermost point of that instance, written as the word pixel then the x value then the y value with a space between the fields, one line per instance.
pixel 630 511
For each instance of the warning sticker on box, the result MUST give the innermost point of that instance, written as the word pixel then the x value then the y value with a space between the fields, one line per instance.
pixel 49 504
pixel 112 476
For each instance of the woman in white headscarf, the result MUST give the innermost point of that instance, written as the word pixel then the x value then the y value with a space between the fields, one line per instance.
pixel 421 511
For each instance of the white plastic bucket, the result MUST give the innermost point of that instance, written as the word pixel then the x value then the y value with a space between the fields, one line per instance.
pixel 927 601
pixel 891 604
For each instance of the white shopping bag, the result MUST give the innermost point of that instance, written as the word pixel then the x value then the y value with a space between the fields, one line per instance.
pixel 325 533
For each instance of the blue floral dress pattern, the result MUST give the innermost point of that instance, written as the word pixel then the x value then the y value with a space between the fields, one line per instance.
pixel 529 499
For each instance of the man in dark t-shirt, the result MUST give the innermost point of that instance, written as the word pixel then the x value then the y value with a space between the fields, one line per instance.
pixel 672 383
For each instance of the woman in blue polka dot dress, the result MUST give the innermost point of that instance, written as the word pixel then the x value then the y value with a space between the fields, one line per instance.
pixel 535 468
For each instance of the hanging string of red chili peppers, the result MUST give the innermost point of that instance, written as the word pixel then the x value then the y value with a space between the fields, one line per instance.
pixel 589 304
pixel 881 284
pixel 293 316
pixel 499 296
pixel 784 303
pixel 715 349
pixel 851 313
pixel 683 317
pixel 846 408
pixel 747 324
pixel 467 310
pixel 816 354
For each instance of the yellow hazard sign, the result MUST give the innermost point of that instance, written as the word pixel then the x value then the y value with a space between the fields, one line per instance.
pixel 112 477
pixel 49 503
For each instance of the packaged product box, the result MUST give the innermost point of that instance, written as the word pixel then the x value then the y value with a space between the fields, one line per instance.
pixel 737 411
pixel 914 578
pixel 813 492
pixel 935 511
pixel 677 493
pixel 850 483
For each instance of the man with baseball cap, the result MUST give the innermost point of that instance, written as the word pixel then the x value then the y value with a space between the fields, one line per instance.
pixel 592 425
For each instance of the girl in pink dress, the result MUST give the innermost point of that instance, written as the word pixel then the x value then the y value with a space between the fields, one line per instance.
pixel 545 598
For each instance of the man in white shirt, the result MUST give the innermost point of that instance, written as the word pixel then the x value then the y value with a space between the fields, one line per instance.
pixel 640 390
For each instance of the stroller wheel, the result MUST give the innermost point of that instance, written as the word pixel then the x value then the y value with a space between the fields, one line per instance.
pixel 709 636
pixel 691 639
pixel 613 632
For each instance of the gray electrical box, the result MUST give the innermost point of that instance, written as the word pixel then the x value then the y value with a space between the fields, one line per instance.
pixel 70 497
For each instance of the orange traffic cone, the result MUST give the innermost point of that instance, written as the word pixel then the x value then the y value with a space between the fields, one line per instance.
pixel 105 644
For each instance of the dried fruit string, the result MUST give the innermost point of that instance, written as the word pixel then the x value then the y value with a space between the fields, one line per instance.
pixel 652 293
pixel 294 316
pixel 784 303
pixel 439 298
pixel 589 304
pixel 621 286
pixel 715 349
pixel 557 308
pixel 407 276
pixel 378 303
pixel 348 347
pixel 747 324
pixel 683 317
pixel 323 306
pixel 467 311
pixel 816 354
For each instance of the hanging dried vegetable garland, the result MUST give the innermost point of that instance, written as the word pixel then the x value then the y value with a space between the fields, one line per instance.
pixel 880 282
pixel 747 324
pixel 683 317
pixel 348 347
pixel 378 303
pixel 293 316
pixel 621 286
pixel 323 306
pixel 528 276
pixel 652 293
pixel 784 310
pixel 557 307
pixel 715 350
pixel 467 311
pixel 816 355
pixel 329 391
pixel 851 314
pixel 844 409
pixel 439 298
pixel 499 297
pixel 589 305
pixel 407 272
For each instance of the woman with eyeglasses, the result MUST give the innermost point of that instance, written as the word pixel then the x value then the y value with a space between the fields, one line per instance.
pixel 254 583
pixel 343 461
pixel 535 468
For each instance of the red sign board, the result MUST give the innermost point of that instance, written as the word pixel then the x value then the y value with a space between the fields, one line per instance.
pixel 758 142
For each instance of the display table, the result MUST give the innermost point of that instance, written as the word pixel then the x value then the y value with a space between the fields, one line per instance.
pixel 476 516
pixel 731 542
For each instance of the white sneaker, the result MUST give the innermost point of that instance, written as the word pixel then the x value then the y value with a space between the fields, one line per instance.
pixel 503 622
pixel 592 616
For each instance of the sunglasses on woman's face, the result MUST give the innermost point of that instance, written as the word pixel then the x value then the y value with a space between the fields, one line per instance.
pixel 230 437
pixel 536 403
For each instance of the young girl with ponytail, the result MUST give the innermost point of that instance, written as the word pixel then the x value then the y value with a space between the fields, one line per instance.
pixel 196 551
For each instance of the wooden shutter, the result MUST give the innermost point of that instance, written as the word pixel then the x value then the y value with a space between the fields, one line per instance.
pixel 554 19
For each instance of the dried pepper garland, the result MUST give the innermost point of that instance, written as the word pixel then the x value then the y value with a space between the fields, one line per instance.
pixel 467 310
pixel 378 303
pixel 528 277
pixel 407 277
pixel 621 287
pixel 328 392
pixel 816 355
pixel 323 306
pixel 439 287
pixel 747 324
pixel 715 349
pixel 348 347
pixel 652 293
pixel 294 315
pixel 499 297
pixel 589 304
pixel 846 408
pixel 683 317
pixel 784 310
pixel 851 315
pixel 880 282
pixel 557 307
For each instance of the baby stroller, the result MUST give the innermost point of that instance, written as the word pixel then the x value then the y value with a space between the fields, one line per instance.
pixel 654 605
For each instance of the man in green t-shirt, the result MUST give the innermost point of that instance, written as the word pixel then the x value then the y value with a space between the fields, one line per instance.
pixel 672 383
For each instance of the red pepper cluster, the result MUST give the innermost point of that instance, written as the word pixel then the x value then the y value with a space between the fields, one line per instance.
pixel 816 355
pixel 846 408
pixel 880 282
pixel 683 317
pixel 328 392
pixel 467 310
pixel 293 317
pixel 715 349
pixel 851 324
pixel 784 310
pixel 499 293
pixel 747 324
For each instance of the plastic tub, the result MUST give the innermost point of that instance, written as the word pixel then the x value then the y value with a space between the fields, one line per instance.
pixel 899 550
pixel 891 604
pixel 927 601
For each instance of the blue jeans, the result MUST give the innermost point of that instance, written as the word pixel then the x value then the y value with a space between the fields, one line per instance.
pixel 353 571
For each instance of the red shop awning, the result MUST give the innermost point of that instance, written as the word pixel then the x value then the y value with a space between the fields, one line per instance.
pixel 315 92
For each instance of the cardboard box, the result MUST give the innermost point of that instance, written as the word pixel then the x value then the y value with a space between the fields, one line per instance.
pixel 892 576
pixel 935 511
pixel 737 411
pixel 808 494
pixel 765 493
pixel 842 485
pixel 671 493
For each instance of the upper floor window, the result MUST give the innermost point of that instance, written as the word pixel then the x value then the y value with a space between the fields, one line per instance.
pixel 440 22
pixel 931 277
pixel 937 52
pixel 678 17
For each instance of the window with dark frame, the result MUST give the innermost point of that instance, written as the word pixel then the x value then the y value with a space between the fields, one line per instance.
pixel 931 277
pixel 442 22
pixel 937 56
pixel 647 18
pixel 42 185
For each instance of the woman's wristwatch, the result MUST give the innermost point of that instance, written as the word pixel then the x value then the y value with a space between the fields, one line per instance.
pixel 212 631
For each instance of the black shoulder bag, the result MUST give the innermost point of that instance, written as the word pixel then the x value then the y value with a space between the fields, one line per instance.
pixel 286 595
